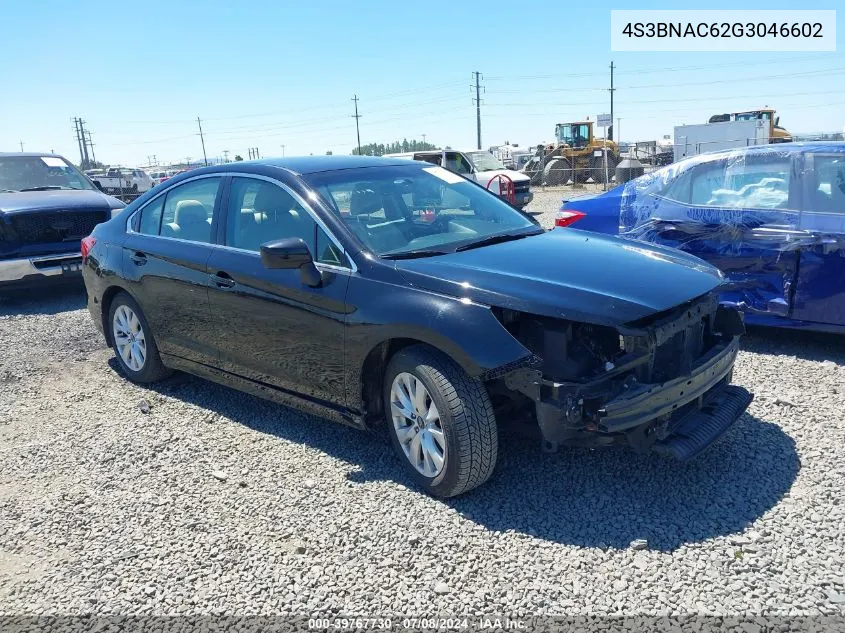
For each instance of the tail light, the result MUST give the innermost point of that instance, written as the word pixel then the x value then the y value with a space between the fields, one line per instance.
pixel 87 245
pixel 566 217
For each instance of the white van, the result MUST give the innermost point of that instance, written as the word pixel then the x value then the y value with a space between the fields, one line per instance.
pixel 478 165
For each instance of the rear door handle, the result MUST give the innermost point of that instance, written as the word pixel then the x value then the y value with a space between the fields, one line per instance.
pixel 222 280
pixel 138 258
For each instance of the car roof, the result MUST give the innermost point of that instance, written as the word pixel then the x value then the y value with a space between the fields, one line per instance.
pixel 801 147
pixel 32 155
pixel 315 164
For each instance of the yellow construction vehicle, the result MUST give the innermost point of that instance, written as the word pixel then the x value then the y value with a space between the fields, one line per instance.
pixel 575 155
pixel 777 134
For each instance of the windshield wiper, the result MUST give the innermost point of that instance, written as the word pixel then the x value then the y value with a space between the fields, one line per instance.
pixel 497 239
pixel 8 190
pixel 44 188
pixel 412 254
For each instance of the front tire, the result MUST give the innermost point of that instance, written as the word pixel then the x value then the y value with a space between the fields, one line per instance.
pixel 440 420
pixel 133 342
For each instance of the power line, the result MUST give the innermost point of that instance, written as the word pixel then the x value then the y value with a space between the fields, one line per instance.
pixel 357 116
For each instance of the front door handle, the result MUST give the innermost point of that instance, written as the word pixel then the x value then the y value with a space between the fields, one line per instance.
pixel 222 280
pixel 138 258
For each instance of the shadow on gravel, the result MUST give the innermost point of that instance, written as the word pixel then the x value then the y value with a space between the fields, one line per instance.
pixel 602 498
pixel 817 346
pixel 51 299
pixel 608 498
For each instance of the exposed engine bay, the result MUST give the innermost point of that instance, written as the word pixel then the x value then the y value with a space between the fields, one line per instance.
pixel 637 384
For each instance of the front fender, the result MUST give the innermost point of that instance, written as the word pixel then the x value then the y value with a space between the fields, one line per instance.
pixel 467 332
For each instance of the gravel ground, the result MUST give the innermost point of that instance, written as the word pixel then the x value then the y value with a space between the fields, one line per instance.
pixel 547 200
pixel 216 502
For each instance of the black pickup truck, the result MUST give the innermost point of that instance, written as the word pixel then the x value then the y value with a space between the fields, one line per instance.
pixel 46 207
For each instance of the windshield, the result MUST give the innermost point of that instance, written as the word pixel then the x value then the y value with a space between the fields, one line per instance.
pixel 414 209
pixel 22 173
pixel 484 161
pixel 574 134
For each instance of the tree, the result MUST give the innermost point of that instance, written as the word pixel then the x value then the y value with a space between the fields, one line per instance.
pixel 329 153
pixel 380 149
pixel 238 157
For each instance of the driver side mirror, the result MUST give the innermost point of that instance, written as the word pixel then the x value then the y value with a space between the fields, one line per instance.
pixel 292 252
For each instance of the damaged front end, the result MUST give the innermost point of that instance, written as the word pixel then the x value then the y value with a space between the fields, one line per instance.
pixel 661 383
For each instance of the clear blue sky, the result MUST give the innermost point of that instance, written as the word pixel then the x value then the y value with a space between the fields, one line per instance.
pixel 263 74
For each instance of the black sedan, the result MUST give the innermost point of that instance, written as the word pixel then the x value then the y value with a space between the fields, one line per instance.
pixel 375 291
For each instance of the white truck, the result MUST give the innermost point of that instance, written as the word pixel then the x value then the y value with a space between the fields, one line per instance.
pixel 478 165
pixel 123 181
pixel 691 140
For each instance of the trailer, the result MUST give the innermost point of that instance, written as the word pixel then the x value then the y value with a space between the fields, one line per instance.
pixel 691 140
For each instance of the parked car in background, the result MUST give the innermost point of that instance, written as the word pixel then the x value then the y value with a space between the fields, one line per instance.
pixel 772 218
pixel 159 177
pixel 374 290
pixel 46 207
pixel 122 180
pixel 480 166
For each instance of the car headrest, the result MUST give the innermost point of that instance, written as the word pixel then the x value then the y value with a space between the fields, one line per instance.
pixel 271 198
pixel 364 201
pixel 190 212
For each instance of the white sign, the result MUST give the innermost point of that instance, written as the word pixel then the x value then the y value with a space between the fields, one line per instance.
pixel 603 120
pixel 744 30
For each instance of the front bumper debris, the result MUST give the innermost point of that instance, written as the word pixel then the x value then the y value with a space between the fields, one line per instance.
pixel 679 417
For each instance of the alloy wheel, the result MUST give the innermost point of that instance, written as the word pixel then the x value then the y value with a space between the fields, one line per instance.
pixel 129 338
pixel 416 422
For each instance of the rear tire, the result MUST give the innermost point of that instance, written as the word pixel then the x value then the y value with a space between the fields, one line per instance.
pixel 558 171
pixel 451 419
pixel 133 342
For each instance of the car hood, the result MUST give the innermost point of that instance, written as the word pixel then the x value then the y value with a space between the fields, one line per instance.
pixel 569 274
pixel 56 200
pixel 485 176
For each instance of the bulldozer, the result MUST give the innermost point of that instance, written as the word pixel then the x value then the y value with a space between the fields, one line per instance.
pixel 575 155
pixel 777 134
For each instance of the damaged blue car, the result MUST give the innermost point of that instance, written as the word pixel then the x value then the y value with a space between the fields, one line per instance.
pixel 771 217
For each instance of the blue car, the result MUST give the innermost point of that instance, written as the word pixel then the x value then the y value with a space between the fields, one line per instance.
pixel 771 217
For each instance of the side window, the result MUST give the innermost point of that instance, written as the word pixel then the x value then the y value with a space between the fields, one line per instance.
pixel 457 163
pixel 827 186
pixel 188 210
pixel 260 211
pixel 151 217
pixel 740 183
pixel 327 251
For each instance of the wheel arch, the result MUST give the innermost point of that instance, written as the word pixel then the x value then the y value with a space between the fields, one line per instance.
pixel 105 306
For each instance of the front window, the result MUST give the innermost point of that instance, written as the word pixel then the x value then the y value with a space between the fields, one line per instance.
pixel 39 173
pixel 485 161
pixel 573 134
pixel 409 211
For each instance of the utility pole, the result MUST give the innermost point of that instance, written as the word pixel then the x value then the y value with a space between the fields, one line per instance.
pixel 225 155
pixel 618 127
pixel 90 144
pixel 87 160
pixel 21 147
pixel 79 141
pixel 202 138
pixel 612 90
pixel 423 140
pixel 357 116
pixel 283 151
pixel 478 88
